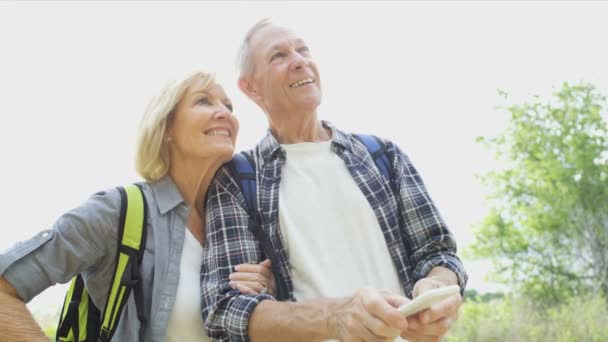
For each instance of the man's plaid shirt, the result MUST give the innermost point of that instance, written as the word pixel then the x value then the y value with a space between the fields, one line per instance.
pixel 417 245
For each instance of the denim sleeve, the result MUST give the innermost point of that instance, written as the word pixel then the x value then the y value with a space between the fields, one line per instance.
pixel 79 241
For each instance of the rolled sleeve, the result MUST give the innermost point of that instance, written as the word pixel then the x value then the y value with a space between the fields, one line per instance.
pixel 20 249
pixel 451 262
pixel 77 242
pixel 228 243
pixel 26 275
pixel 230 320
pixel 430 241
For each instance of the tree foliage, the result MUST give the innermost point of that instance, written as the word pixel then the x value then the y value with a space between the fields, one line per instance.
pixel 547 231
pixel 472 295
pixel 517 319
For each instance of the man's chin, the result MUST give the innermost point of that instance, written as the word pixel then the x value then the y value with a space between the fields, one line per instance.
pixel 311 103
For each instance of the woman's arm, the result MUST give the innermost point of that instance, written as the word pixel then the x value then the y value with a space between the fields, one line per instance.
pixel 16 321
pixel 80 240
pixel 254 278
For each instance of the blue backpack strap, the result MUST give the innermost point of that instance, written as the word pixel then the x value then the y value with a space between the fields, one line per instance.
pixel 377 149
pixel 243 170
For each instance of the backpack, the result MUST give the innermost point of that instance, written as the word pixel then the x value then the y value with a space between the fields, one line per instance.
pixel 80 320
pixel 242 168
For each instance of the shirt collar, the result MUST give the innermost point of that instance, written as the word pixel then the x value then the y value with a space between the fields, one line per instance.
pixel 338 138
pixel 270 147
pixel 166 194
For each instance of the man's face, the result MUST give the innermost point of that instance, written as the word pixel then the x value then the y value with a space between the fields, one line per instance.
pixel 285 77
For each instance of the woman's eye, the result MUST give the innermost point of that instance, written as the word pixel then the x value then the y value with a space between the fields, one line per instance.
pixel 229 106
pixel 204 101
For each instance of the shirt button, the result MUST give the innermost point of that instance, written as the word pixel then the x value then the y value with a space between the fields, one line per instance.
pixel 165 301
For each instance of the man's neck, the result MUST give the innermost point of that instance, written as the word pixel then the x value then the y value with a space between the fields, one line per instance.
pixel 299 128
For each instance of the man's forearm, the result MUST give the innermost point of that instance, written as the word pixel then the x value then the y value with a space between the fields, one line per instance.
pixel 16 322
pixel 288 321
pixel 444 275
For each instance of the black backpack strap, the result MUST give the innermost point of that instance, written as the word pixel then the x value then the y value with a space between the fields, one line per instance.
pixel 79 316
pixel 127 275
pixel 69 322
pixel 242 168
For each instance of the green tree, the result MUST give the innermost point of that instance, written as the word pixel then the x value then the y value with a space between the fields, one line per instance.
pixel 517 319
pixel 473 295
pixel 547 230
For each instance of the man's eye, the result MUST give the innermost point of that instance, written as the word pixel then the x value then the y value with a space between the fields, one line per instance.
pixel 277 55
pixel 204 101
pixel 303 49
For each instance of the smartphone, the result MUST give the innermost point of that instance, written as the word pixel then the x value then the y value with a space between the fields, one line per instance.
pixel 427 299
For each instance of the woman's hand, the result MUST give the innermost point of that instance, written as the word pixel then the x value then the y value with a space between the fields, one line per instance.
pixel 254 279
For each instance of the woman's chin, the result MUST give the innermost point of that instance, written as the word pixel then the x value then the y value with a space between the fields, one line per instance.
pixel 225 153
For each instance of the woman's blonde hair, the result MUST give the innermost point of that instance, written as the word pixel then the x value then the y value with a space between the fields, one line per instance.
pixel 152 158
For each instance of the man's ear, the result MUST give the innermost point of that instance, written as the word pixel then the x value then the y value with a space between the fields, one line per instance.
pixel 248 88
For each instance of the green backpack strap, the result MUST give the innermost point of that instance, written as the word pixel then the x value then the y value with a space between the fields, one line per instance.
pixel 79 317
pixel 127 275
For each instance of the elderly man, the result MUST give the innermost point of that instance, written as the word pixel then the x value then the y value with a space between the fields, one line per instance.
pixel 347 245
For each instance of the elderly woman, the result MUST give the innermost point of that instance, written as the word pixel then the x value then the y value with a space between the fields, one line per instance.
pixel 188 131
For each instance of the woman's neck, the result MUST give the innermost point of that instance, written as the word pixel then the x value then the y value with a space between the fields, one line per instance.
pixel 192 180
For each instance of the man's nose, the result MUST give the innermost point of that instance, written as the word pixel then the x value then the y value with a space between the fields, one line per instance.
pixel 298 61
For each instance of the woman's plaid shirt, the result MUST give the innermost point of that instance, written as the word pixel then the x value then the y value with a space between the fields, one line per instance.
pixel 421 242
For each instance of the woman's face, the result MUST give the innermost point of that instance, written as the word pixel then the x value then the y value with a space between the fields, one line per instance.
pixel 203 126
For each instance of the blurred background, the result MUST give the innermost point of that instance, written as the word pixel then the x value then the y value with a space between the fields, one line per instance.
pixel 500 105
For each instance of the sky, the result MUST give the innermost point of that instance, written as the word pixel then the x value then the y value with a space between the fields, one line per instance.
pixel 76 77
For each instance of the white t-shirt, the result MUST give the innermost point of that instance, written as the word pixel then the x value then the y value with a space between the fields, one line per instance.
pixel 186 321
pixel 332 236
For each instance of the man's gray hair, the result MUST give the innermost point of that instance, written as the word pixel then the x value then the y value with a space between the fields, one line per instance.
pixel 244 62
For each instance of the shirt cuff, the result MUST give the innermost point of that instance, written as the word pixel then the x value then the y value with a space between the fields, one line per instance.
pixel 450 262
pixel 235 321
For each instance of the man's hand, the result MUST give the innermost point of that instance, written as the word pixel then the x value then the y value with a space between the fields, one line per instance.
pixel 432 324
pixel 369 315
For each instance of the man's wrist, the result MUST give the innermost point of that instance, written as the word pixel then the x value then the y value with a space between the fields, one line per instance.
pixel 309 320
pixel 443 275
pixel 332 312
pixel 436 278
